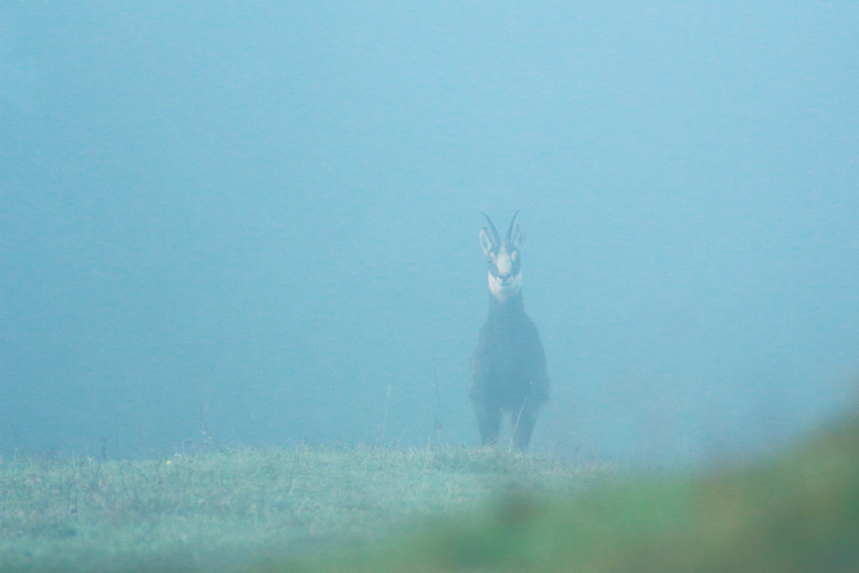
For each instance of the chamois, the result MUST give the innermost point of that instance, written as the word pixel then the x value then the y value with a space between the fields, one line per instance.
pixel 508 369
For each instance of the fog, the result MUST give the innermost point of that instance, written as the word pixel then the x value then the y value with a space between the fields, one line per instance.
pixel 257 224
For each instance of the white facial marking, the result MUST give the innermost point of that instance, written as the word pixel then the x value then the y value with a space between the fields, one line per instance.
pixel 505 284
pixel 503 290
pixel 504 263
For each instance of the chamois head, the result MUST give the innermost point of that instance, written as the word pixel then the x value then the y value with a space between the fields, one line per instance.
pixel 505 278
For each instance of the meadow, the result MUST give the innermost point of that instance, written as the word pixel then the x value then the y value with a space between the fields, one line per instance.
pixel 226 510
pixel 433 509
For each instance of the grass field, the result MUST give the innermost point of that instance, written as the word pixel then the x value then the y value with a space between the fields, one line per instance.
pixel 455 509
pixel 229 509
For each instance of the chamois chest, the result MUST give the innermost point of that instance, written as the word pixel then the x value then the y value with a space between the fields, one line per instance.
pixel 509 362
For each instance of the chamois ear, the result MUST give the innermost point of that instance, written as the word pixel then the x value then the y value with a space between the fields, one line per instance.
pixel 485 241
pixel 519 237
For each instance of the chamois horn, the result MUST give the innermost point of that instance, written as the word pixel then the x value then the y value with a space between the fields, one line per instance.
pixel 496 236
pixel 510 228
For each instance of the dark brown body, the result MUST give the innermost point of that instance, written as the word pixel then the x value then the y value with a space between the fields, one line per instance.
pixel 508 369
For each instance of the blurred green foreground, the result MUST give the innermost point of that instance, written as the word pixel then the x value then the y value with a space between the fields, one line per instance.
pixel 796 513
pixel 449 509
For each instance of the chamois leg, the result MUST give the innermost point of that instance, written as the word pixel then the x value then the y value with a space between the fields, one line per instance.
pixel 489 422
pixel 523 426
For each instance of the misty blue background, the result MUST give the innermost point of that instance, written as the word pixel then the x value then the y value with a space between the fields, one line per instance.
pixel 260 220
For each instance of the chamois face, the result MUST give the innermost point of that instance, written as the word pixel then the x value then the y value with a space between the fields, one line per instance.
pixel 505 278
